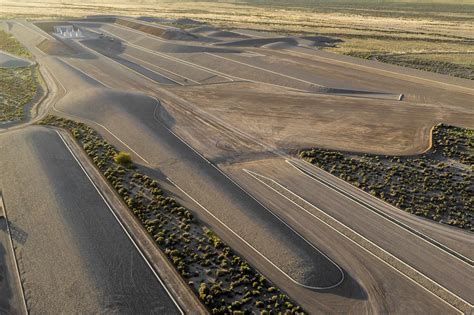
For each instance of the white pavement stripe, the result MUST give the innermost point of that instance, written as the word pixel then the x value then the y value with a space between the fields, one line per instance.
pixel 231 78
pixel 121 225
pixel 263 69
pixel 310 287
pixel 115 61
pixel 151 36
pixel 373 69
pixel 253 248
pixel 163 69
pixel 158 73
pixel 247 193
pixel 346 194
pixel 120 140
pixel 85 74
pixel 155 72
pixel 256 175
pixel 240 132
pixel 94 122
pixel 37 30
pixel 14 258
pixel 184 62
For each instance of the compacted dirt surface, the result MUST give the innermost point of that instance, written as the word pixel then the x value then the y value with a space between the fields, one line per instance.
pixel 219 114
pixel 68 244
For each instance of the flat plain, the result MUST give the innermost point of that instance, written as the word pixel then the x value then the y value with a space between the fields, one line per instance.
pixel 217 114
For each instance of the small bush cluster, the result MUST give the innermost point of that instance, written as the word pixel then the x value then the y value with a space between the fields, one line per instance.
pixel 221 279
pixel 437 185
pixel 9 44
pixel 411 61
pixel 18 86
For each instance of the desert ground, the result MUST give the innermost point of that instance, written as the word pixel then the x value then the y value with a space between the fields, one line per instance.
pixel 67 243
pixel 435 36
pixel 216 115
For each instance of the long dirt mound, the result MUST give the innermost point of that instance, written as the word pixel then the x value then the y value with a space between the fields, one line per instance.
pixel 165 33
pixel 258 42
pixel 138 121
pixel 225 34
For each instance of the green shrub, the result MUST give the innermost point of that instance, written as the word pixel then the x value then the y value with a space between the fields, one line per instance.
pixel 123 158
pixel 217 275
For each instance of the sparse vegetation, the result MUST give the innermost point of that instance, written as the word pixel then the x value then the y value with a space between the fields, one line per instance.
pixel 380 27
pixel 9 44
pixel 437 185
pixel 221 279
pixel 18 87
pixel 465 71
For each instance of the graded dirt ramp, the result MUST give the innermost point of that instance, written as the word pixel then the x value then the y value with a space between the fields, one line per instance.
pixel 321 41
pixel 163 32
pixel 72 254
pixel 363 94
pixel 278 45
pixel 225 34
pixel 56 48
pixel 259 42
pixel 292 120
pixel 203 29
pixel 9 61
pixel 136 120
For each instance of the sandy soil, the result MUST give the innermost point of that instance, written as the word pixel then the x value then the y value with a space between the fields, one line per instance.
pixel 131 117
pixel 73 256
pixel 280 116
pixel 229 13
pixel 291 120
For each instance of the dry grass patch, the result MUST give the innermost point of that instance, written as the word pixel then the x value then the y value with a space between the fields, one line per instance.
pixel 9 44
pixel 18 87
pixel 437 185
